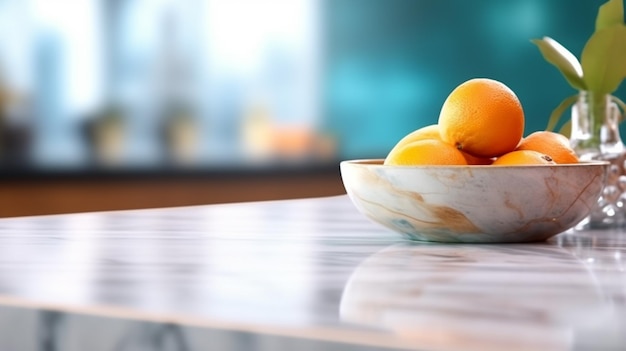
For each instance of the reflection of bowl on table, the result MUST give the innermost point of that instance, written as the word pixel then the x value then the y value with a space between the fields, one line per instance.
pixel 475 203
pixel 475 297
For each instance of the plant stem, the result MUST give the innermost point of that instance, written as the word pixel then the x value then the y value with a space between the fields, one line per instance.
pixel 594 115
pixel 597 110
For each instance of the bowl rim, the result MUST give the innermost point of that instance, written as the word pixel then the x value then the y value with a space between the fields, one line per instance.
pixel 378 163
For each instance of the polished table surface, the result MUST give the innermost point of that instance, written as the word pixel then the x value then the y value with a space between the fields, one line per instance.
pixel 308 274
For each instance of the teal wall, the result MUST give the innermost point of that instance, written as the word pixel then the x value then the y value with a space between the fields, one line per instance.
pixel 390 64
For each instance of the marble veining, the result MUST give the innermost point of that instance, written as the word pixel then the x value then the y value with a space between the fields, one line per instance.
pixel 488 204
pixel 298 274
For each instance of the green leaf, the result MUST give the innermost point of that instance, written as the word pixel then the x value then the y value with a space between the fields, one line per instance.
pixel 555 116
pixel 562 59
pixel 604 59
pixel 566 129
pixel 611 13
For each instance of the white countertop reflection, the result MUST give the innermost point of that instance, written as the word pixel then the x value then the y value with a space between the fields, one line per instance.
pixel 310 274
pixel 482 297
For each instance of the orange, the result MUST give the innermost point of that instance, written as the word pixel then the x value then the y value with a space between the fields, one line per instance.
pixel 428 132
pixel 432 132
pixel 482 117
pixel 425 152
pixel 552 144
pixel 473 160
pixel 523 157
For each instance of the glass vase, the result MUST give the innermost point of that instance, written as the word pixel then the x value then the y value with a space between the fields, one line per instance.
pixel 595 135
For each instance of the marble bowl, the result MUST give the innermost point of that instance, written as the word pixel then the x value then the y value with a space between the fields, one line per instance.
pixel 474 204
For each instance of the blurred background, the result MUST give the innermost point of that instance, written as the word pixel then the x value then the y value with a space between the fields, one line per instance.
pixel 155 84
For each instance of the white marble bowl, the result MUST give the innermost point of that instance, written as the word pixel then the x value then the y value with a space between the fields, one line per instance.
pixel 486 204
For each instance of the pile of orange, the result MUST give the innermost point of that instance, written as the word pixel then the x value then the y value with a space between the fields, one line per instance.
pixel 481 123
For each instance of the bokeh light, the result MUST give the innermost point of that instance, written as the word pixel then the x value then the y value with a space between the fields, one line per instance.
pixel 216 83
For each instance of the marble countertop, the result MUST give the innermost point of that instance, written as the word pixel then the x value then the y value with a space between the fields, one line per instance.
pixel 298 275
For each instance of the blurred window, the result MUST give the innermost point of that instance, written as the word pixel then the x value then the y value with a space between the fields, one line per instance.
pixel 150 82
